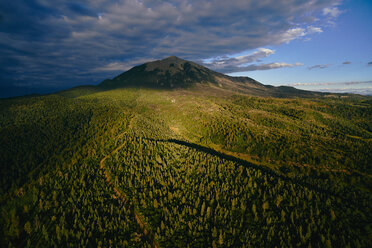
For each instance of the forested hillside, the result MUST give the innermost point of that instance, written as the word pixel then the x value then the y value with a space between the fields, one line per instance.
pixel 185 168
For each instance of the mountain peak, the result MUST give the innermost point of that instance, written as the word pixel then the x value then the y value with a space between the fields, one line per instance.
pixel 170 63
pixel 171 72
pixel 175 58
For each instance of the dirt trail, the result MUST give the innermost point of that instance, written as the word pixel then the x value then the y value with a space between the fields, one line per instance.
pixel 123 197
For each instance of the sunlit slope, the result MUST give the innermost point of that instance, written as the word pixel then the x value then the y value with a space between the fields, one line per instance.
pixel 202 166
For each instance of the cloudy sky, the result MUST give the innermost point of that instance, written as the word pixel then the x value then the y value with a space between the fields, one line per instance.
pixel 50 45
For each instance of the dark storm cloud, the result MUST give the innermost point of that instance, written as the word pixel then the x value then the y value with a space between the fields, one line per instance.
pixel 65 43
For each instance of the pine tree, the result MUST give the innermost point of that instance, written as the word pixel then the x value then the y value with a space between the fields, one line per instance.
pixel 28 227
pixel 265 205
pixel 214 232
pixel 220 239
pixel 208 212
pixel 45 233
pixel 202 209
pixel 333 216
pixel 283 215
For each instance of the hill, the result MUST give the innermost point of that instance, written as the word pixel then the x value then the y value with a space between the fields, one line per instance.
pixel 133 163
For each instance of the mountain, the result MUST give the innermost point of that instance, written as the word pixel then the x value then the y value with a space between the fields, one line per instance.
pixel 173 72
pixel 172 154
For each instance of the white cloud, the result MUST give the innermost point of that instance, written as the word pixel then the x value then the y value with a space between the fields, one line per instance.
pixel 291 34
pixel 260 53
pixel 313 30
pixel 260 67
pixel 241 63
pixel 270 66
pixel 331 11
pixel 84 35
pixel 114 66
pixel 296 33
pixel 238 61
pixel 122 66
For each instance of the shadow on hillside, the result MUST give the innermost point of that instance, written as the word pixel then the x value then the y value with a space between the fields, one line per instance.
pixel 245 163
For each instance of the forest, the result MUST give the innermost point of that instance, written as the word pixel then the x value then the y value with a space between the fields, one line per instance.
pixel 177 168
